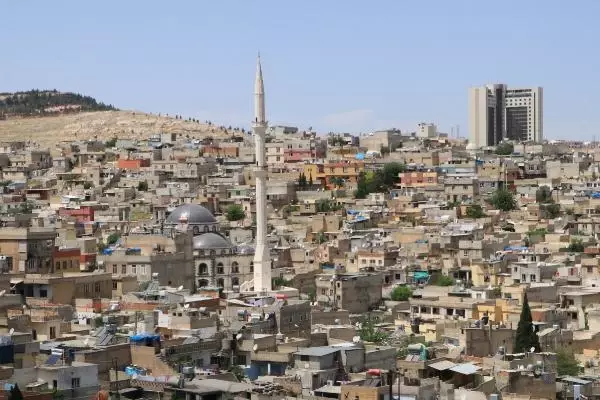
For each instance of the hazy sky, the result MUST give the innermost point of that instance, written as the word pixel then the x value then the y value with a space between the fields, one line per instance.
pixel 339 65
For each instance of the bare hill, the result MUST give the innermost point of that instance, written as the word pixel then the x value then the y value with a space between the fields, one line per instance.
pixel 102 124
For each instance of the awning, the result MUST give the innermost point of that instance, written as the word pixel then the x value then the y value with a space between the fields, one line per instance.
pixel 16 281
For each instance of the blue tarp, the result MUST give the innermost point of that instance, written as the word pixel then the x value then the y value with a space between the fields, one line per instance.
pixel 143 337
pixel 360 156
pixel 596 195
pixel 352 212
pixel 516 248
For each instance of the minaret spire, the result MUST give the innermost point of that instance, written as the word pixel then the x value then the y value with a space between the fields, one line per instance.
pixel 262 257
pixel 259 94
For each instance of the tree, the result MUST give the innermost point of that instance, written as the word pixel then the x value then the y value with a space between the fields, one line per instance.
pixel 551 210
pixel 544 195
pixel 235 212
pixel 526 337
pixel 310 180
pixel 302 180
pixel 503 200
pixel 505 149
pixel 401 293
pixel 445 280
pixel 110 143
pixel 362 188
pixel 113 238
pixel 142 186
pixel 566 363
pixel 475 211
pixel 576 246
pixel 88 185
pixel 337 181
pixel 368 332
pixel 390 173
pixel 15 393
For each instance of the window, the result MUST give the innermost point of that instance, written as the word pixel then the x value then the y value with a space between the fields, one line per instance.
pixel 134 269
pixel 235 281
pixel 202 269
pixel 58 265
pixel 114 285
pixel 75 382
pixel 64 265
pixel 97 287
pixel 251 266
pixel 220 283
pixel 304 358
pixel 123 269
pixel 52 332
pixel 220 268
pixel 235 267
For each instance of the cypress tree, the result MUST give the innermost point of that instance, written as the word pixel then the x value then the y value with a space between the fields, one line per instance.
pixel 15 393
pixel 526 337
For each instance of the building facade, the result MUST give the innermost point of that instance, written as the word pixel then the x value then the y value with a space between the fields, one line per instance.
pixel 497 113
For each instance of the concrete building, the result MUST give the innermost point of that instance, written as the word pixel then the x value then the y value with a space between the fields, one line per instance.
pixel 356 293
pixel 497 113
pixel 426 130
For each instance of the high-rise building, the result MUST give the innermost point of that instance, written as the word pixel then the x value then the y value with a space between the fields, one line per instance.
pixel 497 113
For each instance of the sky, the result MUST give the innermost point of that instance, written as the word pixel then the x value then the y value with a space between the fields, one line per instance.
pixel 335 65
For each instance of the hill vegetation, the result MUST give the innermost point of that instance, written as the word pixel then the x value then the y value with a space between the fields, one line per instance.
pixel 47 102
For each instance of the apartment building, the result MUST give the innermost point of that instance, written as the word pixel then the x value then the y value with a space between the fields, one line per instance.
pixel 497 112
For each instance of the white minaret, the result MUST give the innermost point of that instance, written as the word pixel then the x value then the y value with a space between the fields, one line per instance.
pixel 262 258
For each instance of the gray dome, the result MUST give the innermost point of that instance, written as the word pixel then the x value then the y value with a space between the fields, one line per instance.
pixel 211 240
pixel 194 213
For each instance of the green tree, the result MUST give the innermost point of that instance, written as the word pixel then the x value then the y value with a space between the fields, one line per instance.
pixel 503 200
pixel 113 238
pixel 390 173
pixel 544 195
pixel 526 337
pixel 576 246
pixel 302 180
pixel 337 182
pixel 362 187
pixel 566 363
pixel 401 293
pixel 235 212
pixel 310 180
pixel 368 332
pixel 110 143
pixel 445 280
pixel 15 393
pixel 142 186
pixel 278 282
pixel 551 210
pixel 505 149
pixel 475 211
pixel 88 185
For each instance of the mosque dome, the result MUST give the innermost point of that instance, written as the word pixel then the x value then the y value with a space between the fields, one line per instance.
pixel 192 214
pixel 211 240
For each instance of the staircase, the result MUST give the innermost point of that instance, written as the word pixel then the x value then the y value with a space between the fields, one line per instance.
pixel 247 286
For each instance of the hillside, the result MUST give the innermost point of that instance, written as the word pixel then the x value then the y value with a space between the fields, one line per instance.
pixel 104 125
pixel 47 102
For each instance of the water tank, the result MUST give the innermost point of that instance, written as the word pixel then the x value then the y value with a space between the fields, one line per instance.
pixel 555 326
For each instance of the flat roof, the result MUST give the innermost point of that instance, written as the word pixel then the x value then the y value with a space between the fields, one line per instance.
pixel 442 365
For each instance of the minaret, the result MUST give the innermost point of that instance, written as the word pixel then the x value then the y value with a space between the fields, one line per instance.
pixel 262 258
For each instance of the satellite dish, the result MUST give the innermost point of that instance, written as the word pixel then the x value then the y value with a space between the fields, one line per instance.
pixel 2 292
pixel 255 347
pixel 86 341
pixel 11 331
pixel 238 336
pixel 186 305
pixel 532 350
pixel 180 288
pixel 337 321
pixel 356 339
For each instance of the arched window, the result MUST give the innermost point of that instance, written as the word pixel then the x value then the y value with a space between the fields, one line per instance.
pixel 202 283
pixel 235 267
pixel 214 228
pixel 202 269
pixel 220 268
pixel 220 282
pixel 196 230
pixel 205 228
pixel 235 281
